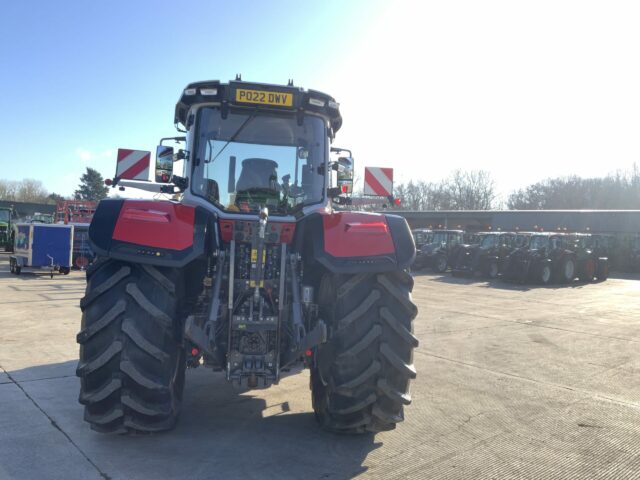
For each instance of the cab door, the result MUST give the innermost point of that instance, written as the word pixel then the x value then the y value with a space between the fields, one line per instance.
pixel 453 240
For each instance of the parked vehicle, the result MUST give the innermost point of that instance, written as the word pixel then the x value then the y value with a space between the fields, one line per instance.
pixel 591 263
pixel 6 229
pixel 42 246
pixel 78 213
pixel 422 236
pixel 38 217
pixel 439 252
pixel 541 261
pixel 554 257
pixel 471 238
pixel 635 254
pixel 487 257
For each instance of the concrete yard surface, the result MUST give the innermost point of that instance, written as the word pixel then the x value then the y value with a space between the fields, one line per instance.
pixel 513 382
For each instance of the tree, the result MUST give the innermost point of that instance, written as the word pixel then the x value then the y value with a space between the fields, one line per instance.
pixel 55 198
pixel 27 190
pixel 620 190
pixel 470 190
pixel 91 186
pixel 462 190
pixel 8 190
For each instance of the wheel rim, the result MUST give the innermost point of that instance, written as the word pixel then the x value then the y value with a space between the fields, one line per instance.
pixel 569 270
pixel 442 264
pixel 546 274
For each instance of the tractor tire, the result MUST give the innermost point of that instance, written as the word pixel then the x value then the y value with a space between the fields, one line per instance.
pixel 360 378
pixel 602 272
pixel 588 271
pixel 131 364
pixel 492 270
pixel 440 264
pixel 545 274
pixel 567 270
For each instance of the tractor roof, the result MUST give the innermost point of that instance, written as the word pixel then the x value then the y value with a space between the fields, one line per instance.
pixel 549 234
pixel 497 233
pixel 258 95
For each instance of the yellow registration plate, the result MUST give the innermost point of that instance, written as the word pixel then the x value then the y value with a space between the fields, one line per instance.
pixel 279 99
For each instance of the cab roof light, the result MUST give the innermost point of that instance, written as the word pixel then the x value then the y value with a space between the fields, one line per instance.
pixel 316 102
pixel 209 91
pixel 332 104
pixel 190 91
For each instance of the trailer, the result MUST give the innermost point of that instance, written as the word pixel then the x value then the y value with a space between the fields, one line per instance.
pixel 44 246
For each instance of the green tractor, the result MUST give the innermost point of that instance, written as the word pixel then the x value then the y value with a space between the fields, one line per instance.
pixel 6 229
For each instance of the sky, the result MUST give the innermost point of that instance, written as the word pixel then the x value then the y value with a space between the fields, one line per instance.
pixel 525 90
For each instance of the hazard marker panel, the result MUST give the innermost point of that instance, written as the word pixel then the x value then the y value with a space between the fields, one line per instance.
pixel 133 164
pixel 378 181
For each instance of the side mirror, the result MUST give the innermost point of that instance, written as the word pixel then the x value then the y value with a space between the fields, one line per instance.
pixel 164 164
pixel 345 174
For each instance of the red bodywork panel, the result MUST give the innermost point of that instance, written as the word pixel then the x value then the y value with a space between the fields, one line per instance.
pixel 158 224
pixel 357 234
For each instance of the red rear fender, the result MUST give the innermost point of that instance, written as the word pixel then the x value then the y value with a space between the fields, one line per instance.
pixel 158 224
pixel 357 234
pixel 145 231
pixel 355 242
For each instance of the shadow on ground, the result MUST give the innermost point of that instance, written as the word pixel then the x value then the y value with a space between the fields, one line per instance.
pixel 497 283
pixel 222 433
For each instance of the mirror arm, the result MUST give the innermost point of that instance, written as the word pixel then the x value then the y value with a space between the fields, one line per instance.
pixel 175 139
pixel 181 182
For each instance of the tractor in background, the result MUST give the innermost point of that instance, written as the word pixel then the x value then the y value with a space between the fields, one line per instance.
pixel 488 257
pixel 591 260
pixel 440 251
pixel 555 257
pixel 6 229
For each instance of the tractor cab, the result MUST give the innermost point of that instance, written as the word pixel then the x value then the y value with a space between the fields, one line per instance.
pixel 254 146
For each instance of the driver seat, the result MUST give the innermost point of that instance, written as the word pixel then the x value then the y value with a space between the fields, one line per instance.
pixel 258 173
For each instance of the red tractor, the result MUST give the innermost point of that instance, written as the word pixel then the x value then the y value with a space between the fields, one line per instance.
pixel 249 269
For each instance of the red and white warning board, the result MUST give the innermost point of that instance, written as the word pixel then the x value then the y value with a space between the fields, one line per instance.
pixel 133 164
pixel 378 181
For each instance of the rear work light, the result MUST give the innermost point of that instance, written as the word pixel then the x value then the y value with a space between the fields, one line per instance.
pixel 317 102
pixel 208 91
pixel 190 91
